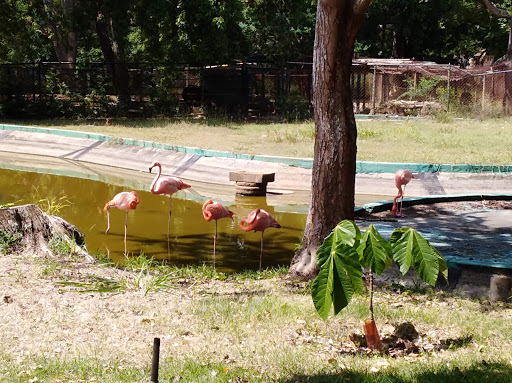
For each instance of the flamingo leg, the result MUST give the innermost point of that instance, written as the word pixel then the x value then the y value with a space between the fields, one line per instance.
pixel 108 221
pixel 214 242
pixel 261 252
pixel 125 230
pixel 169 220
pixel 402 201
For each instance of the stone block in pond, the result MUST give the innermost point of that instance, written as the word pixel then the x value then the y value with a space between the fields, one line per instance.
pixel 251 183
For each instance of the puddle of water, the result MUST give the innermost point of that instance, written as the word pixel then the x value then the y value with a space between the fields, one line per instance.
pixel 191 237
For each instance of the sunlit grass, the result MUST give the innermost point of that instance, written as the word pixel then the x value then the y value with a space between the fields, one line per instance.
pixel 446 140
pixel 294 367
pixel 149 275
pixel 429 141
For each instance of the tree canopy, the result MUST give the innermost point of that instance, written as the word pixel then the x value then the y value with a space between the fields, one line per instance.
pixel 216 31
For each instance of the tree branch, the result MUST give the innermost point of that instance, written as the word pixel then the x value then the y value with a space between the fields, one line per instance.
pixel 495 11
pixel 360 6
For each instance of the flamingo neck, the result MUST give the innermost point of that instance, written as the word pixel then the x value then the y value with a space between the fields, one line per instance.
pixel 152 188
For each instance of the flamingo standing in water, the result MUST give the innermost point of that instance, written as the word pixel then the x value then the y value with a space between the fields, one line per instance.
pixel 167 186
pixel 124 201
pixel 402 178
pixel 259 220
pixel 214 210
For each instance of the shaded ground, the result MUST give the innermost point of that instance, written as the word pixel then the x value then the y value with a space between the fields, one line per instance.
pixel 474 237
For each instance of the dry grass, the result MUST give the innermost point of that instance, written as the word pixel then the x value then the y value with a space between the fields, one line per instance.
pixel 429 141
pixel 414 140
pixel 233 330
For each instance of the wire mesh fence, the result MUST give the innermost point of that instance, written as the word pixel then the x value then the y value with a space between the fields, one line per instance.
pixel 427 88
pixel 247 89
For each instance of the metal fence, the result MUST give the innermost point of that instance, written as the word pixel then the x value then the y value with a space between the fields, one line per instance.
pixel 248 89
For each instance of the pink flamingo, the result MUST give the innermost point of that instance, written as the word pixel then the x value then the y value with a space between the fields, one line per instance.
pixel 214 210
pixel 259 220
pixel 124 201
pixel 167 186
pixel 402 178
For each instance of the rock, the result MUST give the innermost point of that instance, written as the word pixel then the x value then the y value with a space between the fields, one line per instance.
pixel 500 286
pixel 27 229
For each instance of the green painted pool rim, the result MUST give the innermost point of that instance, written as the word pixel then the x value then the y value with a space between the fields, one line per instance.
pixel 307 163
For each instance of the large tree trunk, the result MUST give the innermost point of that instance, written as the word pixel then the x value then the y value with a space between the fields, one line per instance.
pixel 59 26
pixel 334 165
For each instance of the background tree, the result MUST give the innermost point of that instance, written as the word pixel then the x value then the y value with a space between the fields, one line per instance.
pixel 438 30
pixel 280 30
pixel 194 32
pixel 334 164
pixel 20 41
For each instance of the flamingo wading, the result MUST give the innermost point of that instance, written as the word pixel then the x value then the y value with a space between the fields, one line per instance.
pixel 258 220
pixel 214 210
pixel 125 201
pixel 402 178
pixel 166 186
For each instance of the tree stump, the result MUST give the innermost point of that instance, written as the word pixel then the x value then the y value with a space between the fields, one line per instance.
pixel 27 229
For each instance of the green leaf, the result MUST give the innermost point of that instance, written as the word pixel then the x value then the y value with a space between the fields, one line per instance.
pixel 321 290
pixel 401 245
pixel 410 248
pixel 375 251
pixel 325 250
pixel 425 259
pixel 347 233
pixel 340 270
pixel 443 267
pixel 349 277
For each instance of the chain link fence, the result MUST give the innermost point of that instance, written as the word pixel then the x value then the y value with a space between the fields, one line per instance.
pixel 248 90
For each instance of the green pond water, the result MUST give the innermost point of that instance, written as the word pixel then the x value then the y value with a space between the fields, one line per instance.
pixel 191 237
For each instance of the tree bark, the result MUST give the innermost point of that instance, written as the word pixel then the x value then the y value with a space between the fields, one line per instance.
pixel 334 164
pixel 59 26
pixel 33 230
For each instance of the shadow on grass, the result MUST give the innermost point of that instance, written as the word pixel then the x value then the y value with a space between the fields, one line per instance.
pixel 477 373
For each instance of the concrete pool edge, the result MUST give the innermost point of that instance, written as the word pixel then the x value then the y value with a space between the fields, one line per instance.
pixel 366 167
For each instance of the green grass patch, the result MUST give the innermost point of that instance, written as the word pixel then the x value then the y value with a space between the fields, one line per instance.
pixel 295 369
pixel 8 241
